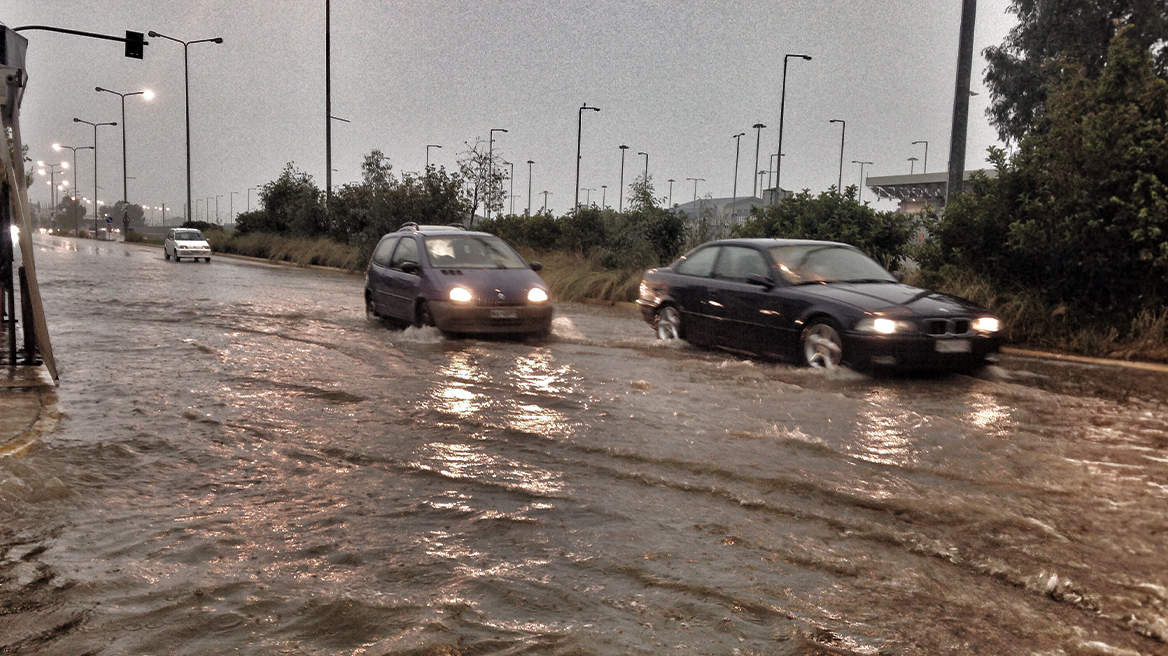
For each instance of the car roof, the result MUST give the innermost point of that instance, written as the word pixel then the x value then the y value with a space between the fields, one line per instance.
pixel 416 229
pixel 768 242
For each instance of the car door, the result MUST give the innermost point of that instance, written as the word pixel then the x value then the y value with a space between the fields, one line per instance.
pixel 375 276
pixel 692 292
pixel 744 305
pixel 401 286
pixel 168 244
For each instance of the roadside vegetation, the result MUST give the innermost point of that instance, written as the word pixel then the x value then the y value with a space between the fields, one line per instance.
pixel 1068 243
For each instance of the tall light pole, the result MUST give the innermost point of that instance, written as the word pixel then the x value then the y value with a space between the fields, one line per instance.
pixel 620 205
pixel 960 122
pixel 912 164
pixel 588 196
pixel 925 164
pixel 529 163
pixel 860 193
pixel 579 133
pixel 231 205
pixel 737 149
pixel 428 147
pixel 671 181
pixel 545 195
pixel 491 169
pixel 217 197
pixel 646 178
pixel 843 131
pixel 147 95
pixel 757 144
pixel 249 197
pixel 782 111
pixel 76 178
pixel 51 171
pixel 512 165
pixel 603 196
pixel 187 85
pixel 695 200
pixel 95 201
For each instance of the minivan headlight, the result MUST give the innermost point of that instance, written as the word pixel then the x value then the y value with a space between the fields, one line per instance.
pixel 461 295
pixel 537 295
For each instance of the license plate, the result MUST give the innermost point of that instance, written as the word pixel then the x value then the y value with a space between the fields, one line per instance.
pixel 954 346
pixel 498 313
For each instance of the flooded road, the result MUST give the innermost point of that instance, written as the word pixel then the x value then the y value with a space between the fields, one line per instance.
pixel 246 464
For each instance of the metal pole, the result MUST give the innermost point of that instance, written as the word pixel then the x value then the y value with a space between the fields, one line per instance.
pixel 737 150
pixel 579 132
pixel 843 131
pixel 529 163
pixel 671 181
pixel 620 206
pixel 490 171
pixel 512 165
pixel 757 144
pixel 925 167
pixel 961 101
pixel 328 109
pixel 782 112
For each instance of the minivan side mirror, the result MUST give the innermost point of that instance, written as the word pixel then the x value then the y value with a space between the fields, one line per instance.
pixel 536 266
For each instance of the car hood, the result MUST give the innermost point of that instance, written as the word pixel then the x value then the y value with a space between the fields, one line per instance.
pixel 893 297
pixel 488 284
pixel 190 242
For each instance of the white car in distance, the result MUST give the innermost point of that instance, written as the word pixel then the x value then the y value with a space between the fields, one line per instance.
pixel 186 242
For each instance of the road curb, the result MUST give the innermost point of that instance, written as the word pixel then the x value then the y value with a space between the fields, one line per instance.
pixel 1082 359
pixel 28 401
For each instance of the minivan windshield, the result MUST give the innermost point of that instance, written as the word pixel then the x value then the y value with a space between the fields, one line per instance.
pixel 816 263
pixel 472 252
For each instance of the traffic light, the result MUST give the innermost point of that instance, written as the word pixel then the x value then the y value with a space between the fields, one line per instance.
pixel 135 43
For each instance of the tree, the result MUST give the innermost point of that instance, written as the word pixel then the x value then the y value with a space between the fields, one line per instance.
pixel 1077 32
pixel 484 177
pixel 292 204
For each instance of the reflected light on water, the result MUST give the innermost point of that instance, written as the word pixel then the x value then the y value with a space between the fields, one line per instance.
pixel 986 413
pixel 472 462
pixel 883 430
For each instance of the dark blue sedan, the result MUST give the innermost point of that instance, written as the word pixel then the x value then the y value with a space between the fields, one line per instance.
pixel 456 280
pixel 819 303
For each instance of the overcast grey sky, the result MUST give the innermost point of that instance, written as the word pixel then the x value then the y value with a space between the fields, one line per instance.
pixel 673 79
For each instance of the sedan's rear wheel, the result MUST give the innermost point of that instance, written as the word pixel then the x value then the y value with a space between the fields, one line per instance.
pixel 822 345
pixel 668 323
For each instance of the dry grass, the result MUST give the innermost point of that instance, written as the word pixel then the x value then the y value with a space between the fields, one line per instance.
pixel 572 277
pixel 276 248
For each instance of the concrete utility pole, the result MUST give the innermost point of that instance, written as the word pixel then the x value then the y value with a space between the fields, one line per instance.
pixel 961 101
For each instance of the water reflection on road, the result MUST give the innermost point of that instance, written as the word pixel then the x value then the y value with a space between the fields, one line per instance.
pixel 247 463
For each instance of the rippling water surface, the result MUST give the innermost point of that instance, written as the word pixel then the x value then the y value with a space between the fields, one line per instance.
pixel 247 464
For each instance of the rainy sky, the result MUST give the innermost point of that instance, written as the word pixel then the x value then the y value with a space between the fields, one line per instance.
pixel 673 79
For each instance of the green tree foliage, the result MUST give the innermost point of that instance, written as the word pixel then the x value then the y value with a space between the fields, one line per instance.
pixel 484 174
pixel 833 216
pixel 292 205
pixel 1077 32
pixel 70 213
pixel 1080 215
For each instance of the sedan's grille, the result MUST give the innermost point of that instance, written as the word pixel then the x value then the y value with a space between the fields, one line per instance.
pixel 941 327
pixel 490 302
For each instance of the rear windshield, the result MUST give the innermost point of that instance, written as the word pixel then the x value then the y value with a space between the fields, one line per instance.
pixel 188 235
pixel 472 252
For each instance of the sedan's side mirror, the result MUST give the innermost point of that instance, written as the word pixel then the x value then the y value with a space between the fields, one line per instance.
pixel 536 266
pixel 409 267
pixel 760 280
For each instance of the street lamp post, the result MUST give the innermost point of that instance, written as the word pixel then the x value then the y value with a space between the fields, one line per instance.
pixel 912 165
pixel 620 205
pixel 491 169
pixel 217 197
pixel 860 193
pixel 428 147
pixel 579 133
pixel 671 181
pixel 695 199
pixel 529 163
pixel 646 178
pixel 187 86
pixel 588 196
pixel 757 144
pixel 737 150
pixel 603 196
pixel 843 131
pixel 782 111
pixel 545 195
pixel 249 197
pixel 76 187
pixel 147 95
pixel 512 165
pixel 231 205
pixel 96 204
pixel 51 171
pixel 924 164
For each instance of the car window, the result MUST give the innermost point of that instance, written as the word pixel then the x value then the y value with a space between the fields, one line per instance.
pixel 472 252
pixel 382 252
pixel 698 263
pixel 170 235
pixel 738 262
pixel 188 235
pixel 406 251
pixel 814 263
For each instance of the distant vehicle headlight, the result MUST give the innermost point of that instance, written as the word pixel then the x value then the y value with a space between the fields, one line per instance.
pixel 883 326
pixel 537 295
pixel 986 324
pixel 461 295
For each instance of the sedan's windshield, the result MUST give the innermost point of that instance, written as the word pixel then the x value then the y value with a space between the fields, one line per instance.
pixel 188 235
pixel 812 263
pixel 472 252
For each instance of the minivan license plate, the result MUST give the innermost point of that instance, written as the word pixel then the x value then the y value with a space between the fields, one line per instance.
pixel 954 346
pixel 504 314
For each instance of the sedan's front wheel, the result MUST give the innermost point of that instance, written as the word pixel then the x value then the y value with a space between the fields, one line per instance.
pixel 668 323
pixel 822 345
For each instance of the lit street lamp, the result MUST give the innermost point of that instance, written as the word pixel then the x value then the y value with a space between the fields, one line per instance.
pixel 96 202
pixel 51 171
pixel 782 111
pixel 579 132
pixel 843 131
pixel 187 86
pixel 76 187
pixel 146 95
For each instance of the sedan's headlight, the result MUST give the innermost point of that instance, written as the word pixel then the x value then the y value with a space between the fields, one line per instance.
pixel 537 295
pixel 883 326
pixel 987 324
pixel 461 295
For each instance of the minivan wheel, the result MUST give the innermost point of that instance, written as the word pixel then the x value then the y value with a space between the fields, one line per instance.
pixel 424 317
